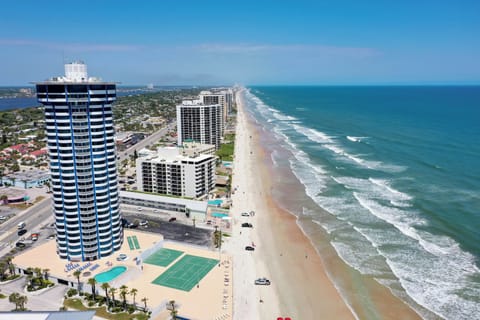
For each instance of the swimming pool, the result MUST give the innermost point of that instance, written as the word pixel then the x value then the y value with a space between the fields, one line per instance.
pixel 227 164
pixel 216 202
pixel 219 215
pixel 110 274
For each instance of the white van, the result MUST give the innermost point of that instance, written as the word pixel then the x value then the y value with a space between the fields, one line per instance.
pixel 22 225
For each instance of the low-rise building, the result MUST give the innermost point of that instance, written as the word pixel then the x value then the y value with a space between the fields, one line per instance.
pixel 27 179
pixel 191 208
pixel 171 173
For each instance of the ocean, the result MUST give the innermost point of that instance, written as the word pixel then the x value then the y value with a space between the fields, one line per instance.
pixel 390 176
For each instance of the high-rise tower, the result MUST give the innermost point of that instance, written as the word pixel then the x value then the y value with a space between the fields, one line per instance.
pixel 81 147
pixel 199 122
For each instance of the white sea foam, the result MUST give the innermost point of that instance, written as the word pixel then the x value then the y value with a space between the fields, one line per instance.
pixel 313 134
pixel 330 143
pixel 370 215
pixel 385 184
pixel 355 139
pixel 274 155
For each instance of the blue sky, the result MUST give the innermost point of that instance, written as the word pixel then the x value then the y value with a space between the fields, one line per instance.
pixel 250 42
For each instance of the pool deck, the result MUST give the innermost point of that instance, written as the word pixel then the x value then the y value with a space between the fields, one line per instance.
pixel 213 291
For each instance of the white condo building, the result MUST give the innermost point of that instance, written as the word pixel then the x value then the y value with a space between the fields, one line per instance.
pixel 199 122
pixel 222 97
pixel 81 148
pixel 171 173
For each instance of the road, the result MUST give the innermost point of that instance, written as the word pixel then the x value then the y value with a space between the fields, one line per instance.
pixel 38 217
pixel 154 137
pixel 35 218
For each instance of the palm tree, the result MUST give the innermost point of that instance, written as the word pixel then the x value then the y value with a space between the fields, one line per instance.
pixel 92 283
pixel 13 298
pixel 22 301
pixel 11 266
pixel 144 300
pixel 112 292
pixel 3 269
pixel 105 286
pixel 123 294
pixel 47 183
pixel 133 292
pixel 77 274
pixel 46 273
pixel 173 309
pixel 38 272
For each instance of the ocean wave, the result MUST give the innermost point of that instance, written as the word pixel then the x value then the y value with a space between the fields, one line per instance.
pixel 356 139
pixel 329 143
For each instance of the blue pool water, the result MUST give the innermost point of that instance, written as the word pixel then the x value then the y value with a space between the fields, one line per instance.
pixel 216 202
pixel 219 215
pixel 227 164
pixel 110 274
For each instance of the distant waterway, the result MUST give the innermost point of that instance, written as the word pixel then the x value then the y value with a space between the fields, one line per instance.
pixel 22 103
pixel 17 103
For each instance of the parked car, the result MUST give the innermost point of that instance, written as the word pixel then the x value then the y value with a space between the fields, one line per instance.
pixel 20 245
pixel 172 219
pixel 245 214
pixel 34 236
pixel 249 248
pixel 262 281
pixel 22 232
pixel 122 257
pixel 247 225
pixel 143 223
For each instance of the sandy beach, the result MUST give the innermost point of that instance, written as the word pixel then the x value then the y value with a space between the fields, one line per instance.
pixel 300 287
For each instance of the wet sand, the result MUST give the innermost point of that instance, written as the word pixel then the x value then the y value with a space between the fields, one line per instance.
pixel 301 287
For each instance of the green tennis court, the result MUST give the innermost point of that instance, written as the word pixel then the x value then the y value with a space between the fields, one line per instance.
pixel 163 257
pixel 135 242
pixel 130 243
pixel 186 273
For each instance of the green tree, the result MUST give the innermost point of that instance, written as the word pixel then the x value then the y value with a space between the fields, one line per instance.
pixel 172 306
pixel 144 300
pixel 92 282
pixel 48 184
pixel 46 273
pixel 123 294
pixel 112 293
pixel 133 293
pixel 22 301
pixel 3 270
pixel 11 266
pixel 38 272
pixel 77 274
pixel 13 298
pixel 105 286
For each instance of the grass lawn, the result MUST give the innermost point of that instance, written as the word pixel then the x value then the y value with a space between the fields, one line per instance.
pixel 102 311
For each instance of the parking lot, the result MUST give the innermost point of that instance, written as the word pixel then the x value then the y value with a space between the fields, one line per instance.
pixel 174 230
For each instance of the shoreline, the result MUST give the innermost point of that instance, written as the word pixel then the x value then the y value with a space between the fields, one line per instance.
pixel 282 253
pixel 287 256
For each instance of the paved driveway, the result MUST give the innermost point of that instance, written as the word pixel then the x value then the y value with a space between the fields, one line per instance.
pixel 50 300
